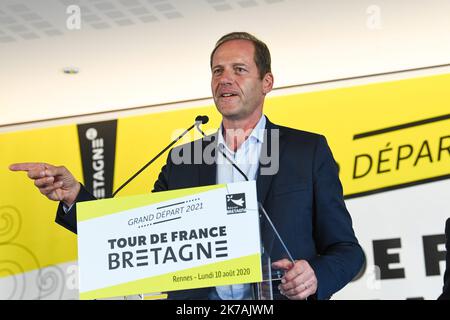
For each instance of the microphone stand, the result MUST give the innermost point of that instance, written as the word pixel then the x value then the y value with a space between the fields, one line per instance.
pixel 198 120
pixel 258 286
pixel 259 203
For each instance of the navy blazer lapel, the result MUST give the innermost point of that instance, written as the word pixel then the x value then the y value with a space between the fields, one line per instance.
pixel 207 169
pixel 263 181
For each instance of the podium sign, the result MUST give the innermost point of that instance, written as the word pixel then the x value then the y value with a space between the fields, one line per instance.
pixel 166 241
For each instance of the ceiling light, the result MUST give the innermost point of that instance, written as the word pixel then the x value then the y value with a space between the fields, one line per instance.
pixel 71 70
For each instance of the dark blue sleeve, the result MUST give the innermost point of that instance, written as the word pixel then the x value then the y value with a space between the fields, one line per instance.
pixel 340 256
pixel 69 220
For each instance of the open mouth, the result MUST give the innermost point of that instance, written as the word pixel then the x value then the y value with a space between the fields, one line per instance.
pixel 226 95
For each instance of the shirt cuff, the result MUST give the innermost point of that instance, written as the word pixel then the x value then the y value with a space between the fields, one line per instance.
pixel 66 208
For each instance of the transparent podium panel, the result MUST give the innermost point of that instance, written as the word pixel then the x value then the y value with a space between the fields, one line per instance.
pixel 273 248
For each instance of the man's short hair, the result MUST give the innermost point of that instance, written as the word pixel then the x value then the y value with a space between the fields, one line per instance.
pixel 262 53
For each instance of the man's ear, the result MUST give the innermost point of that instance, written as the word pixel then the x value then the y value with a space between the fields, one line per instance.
pixel 267 83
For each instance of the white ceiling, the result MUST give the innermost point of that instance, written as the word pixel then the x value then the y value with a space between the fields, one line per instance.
pixel 133 53
pixel 31 20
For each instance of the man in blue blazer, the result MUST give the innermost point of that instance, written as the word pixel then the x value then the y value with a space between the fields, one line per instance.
pixel 299 188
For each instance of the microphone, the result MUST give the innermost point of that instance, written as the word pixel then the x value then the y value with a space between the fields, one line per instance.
pixel 202 119
pixel 198 121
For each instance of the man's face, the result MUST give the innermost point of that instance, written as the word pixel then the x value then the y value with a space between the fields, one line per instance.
pixel 236 86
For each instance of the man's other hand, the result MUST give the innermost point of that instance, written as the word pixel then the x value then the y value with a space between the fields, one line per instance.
pixel 299 280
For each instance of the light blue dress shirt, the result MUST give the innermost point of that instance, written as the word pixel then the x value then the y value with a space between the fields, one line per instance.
pixel 246 158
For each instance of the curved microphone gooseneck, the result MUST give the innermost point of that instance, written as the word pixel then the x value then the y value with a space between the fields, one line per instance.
pixel 198 121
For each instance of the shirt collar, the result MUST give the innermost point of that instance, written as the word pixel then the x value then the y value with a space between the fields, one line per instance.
pixel 257 134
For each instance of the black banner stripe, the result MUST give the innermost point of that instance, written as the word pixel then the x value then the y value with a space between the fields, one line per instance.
pixel 395 187
pixel 98 151
pixel 400 127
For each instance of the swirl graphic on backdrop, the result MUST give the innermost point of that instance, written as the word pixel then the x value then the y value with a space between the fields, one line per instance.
pixel 51 282
pixel 10 223
pixel 15 272
pixel 15 258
